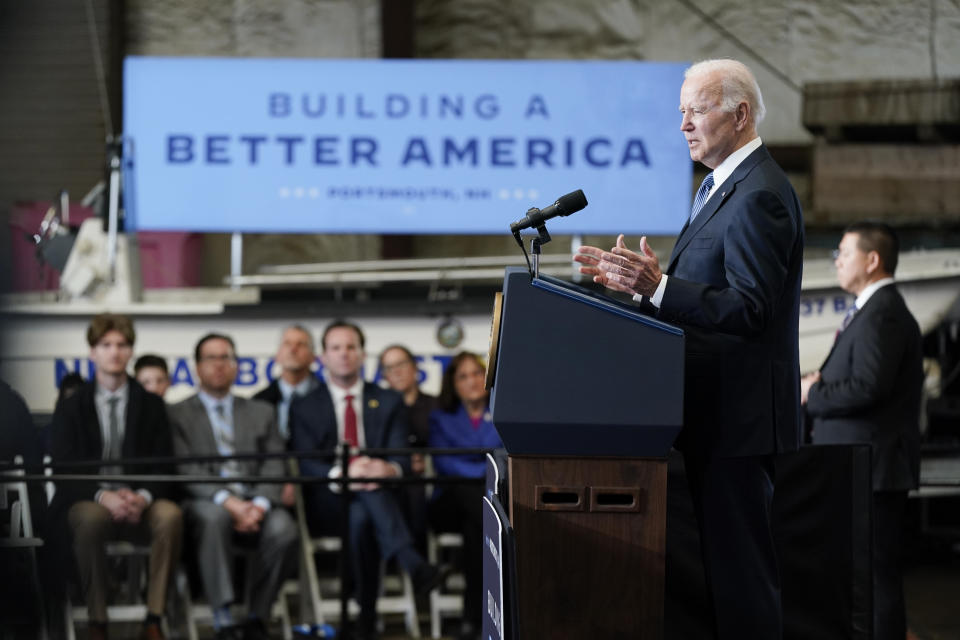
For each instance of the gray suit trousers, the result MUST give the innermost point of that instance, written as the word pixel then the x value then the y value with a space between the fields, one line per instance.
pixel 210 529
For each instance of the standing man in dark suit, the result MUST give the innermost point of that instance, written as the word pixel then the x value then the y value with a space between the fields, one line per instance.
pixel 216 422
pixel 109 418
pixel 868 391
pixel 349 410
pixel 733 285
pixel 294 355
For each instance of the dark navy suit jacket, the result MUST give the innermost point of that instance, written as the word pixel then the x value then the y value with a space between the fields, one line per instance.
pixel 77 437
pixel 870 387
pixel 313 425
pixel 734 287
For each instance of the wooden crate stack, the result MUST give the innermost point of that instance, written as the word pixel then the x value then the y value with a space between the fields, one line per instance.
pixel 885 150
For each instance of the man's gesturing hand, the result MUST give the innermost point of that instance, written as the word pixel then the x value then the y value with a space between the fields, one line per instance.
pixel 621 269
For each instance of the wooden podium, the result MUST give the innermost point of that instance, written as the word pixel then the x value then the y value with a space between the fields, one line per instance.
pixel 587 395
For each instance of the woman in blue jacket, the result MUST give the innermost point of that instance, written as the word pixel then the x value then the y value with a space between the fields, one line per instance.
pixel 463 421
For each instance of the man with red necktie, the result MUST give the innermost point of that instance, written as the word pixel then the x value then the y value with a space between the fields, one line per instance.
pixel 362 415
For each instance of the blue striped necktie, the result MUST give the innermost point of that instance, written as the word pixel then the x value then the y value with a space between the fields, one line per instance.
pixel 847 319
pixel 226 439
pixel 701 196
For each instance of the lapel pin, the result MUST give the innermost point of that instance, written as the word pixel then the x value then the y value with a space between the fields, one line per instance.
pixel 373 403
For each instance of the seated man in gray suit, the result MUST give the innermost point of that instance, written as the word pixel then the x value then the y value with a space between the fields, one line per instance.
pixel 215 422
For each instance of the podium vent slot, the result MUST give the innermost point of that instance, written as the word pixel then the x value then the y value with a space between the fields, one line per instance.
pixel 560 498
pixel 615 500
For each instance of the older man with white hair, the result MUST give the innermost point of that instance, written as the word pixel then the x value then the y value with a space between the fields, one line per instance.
pixel 733 284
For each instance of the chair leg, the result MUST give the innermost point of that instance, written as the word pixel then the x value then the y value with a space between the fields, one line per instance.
pixel 68 619
pixel 186 603
pixel 308 574
pixel 38 593
pixel 410 614
pixel 285 616
pixel 435 618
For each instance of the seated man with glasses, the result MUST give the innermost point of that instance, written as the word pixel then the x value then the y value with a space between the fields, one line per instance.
pixel 221 515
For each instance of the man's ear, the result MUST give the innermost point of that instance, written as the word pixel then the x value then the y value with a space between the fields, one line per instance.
pixel 742 114
pixel 873 262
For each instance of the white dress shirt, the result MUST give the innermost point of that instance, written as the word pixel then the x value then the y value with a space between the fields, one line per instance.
pixel 102 399
pixel 102 402
pixel 869 290
pixel 339 397
pixel 723 171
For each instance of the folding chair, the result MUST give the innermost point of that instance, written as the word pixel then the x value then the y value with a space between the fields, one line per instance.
pixel 397 596
pixel 445 602
pixel 20 535
pixel 136 557
pixel 179 607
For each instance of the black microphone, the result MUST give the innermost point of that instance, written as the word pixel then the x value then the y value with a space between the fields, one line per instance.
pixel 564 206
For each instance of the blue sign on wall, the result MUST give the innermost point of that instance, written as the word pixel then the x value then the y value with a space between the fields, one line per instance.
pixel 401 146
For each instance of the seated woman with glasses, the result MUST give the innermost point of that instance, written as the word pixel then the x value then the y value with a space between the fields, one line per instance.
pixel 463 421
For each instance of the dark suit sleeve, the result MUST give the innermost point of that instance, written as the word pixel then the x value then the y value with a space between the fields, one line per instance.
pixel 68 444
pixel 183 422
pixel 398 427
pixel 875 357
pixel 155 428
pixel 268 441
pixel 757 248
pixel 306 435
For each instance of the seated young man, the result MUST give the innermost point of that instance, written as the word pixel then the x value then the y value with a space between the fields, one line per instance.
pixel 109 418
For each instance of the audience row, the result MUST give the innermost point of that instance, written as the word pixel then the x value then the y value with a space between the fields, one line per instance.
pixel 116 416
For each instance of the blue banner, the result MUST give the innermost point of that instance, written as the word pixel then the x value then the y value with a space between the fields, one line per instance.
pixel 401 146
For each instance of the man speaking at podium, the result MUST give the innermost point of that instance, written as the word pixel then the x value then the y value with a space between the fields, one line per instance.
pixel 733 285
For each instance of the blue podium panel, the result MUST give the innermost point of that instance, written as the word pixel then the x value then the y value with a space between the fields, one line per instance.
pixel 493 587
pixel 500 615
pixel 580 374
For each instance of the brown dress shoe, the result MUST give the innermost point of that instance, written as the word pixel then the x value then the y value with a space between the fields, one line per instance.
pixel 151 631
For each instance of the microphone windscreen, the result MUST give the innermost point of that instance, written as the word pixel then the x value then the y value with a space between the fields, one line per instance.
pixel 572 202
